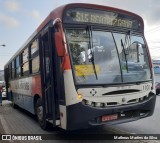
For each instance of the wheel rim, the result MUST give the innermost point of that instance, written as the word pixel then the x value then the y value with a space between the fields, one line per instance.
pixel 40 113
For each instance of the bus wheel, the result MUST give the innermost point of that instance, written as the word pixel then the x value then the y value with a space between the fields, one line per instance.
pixel 40 115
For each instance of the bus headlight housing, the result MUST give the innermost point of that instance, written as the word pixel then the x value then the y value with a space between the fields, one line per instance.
pixel 80 96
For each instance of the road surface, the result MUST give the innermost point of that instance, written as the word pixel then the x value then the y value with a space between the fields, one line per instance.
pixel 149 125
pixel 17 121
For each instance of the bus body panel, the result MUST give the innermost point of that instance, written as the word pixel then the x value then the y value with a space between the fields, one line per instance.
pixel 129 101
pixel 63 116
pixel 82 116
pixel 24 101
pixel 70 91
pixel 121 94
pixel 23 91
pixel 36 86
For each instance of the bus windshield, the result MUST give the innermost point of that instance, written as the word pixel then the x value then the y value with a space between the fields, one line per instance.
pixel 118 58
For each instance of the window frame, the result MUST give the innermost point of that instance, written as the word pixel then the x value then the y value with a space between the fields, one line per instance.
pixel 34 55
pixel 107 29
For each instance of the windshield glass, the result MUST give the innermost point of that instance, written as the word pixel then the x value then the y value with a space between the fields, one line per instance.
pixel 100 58
pixel 133 58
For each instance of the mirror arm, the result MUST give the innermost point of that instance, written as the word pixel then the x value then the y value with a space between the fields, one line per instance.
pixel 59 21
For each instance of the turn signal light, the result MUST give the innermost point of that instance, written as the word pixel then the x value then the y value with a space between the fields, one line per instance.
pixel 80 96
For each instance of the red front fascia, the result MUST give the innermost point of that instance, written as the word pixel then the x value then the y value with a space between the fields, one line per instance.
pixel 66 65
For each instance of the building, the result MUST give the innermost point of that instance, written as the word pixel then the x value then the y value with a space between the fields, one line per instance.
pixel 1 75
pixel 156 65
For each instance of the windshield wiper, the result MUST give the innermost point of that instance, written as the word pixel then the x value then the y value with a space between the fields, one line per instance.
pixel 127 43
pixel 90 47
pixel 125 55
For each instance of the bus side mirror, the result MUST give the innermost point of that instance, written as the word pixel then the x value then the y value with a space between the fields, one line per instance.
pixel 60 40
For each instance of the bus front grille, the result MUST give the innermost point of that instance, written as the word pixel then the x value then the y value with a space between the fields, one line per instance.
pixel 112 104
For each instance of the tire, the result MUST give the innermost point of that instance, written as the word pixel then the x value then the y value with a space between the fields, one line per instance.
pixel 40 115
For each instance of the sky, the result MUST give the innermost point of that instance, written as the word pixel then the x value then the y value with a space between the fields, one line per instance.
pixel 20 18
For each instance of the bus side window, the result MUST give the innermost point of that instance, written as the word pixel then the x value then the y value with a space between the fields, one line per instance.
pixel 13 70
pixel 17 67
pixel 34 59
pixel 10 71
pixel 25 64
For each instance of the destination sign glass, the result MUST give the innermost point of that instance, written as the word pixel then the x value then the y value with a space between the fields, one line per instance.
pixel 79 15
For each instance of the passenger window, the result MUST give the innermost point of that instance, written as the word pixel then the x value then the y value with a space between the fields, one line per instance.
pixel 18 68
pixel 35 64
pixel 25 65
pixel 13 70
pixel 34 59
pixel 34 47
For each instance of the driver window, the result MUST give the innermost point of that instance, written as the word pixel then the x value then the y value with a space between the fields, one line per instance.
pixel 105 52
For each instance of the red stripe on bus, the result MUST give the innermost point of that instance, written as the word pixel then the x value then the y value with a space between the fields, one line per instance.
pixel 66 63
pixel 36 85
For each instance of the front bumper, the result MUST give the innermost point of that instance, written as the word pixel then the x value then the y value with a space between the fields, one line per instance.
pixel 82 116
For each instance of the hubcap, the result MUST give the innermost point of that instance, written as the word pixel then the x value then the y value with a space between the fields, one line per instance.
pixel 40 113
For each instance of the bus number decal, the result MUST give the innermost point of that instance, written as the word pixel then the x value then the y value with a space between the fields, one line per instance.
pixel 146 87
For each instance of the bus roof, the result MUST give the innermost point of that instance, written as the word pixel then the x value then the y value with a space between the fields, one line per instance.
pixel 58 13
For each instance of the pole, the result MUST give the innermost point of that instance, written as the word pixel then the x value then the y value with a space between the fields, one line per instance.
pixel 3 45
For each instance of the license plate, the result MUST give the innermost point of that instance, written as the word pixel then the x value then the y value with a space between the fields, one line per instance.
pixel 109 117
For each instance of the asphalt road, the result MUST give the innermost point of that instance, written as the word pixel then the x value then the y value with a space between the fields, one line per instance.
pixel 17 121
pixel 149 125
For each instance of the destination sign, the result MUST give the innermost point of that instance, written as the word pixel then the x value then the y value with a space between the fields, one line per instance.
pixel 79 15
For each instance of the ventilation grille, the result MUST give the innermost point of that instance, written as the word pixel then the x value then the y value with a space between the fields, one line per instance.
pixel 111 104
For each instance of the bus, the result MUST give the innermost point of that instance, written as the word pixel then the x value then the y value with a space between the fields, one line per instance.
pixel 85 65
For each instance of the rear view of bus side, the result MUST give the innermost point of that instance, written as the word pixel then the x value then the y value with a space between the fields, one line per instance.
pixel 85 65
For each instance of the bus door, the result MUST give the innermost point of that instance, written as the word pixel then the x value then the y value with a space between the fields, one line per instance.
pixel 48 76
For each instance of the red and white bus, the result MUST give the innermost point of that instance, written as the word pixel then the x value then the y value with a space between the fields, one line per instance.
pixel 85 65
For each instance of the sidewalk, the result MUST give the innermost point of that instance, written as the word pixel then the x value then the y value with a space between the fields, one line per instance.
pixel 18 121
pixel 2 131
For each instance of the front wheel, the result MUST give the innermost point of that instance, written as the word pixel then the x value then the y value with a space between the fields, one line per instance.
pixel 41 115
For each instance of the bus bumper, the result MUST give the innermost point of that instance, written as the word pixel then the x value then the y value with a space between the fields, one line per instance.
pixel 83 116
